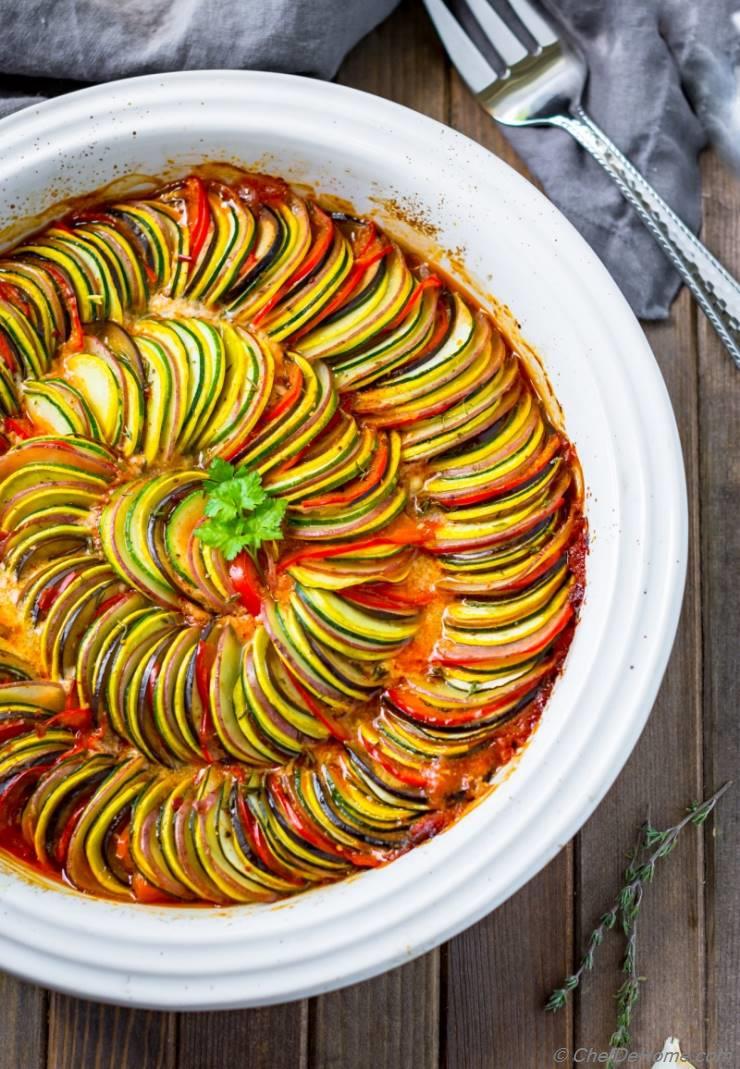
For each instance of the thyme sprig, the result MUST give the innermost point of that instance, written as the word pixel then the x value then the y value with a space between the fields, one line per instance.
pixel 630 900
pixel 652 845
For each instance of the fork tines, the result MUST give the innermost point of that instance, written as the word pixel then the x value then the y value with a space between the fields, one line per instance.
pixel 508 46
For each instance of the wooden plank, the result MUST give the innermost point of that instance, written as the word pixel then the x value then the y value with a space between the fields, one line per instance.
pixel 402 60
pixel 391 1022
pixel 87 1035
pixel 497 974
pixel 270 1038
pixel 719 420
pixel 663 774
pixel 22 1024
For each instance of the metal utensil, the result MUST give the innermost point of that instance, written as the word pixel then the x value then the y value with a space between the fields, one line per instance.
pixel 542 85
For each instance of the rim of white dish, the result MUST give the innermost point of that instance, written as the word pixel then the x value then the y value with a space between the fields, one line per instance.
pixel 251 955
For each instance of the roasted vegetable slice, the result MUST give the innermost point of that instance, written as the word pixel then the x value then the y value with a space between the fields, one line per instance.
pixel 291 546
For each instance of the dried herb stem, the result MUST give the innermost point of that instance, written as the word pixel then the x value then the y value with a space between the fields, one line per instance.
pixel 652 845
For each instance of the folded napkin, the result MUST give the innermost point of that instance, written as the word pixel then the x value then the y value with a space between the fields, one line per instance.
pixel 99 40
pixel 663 82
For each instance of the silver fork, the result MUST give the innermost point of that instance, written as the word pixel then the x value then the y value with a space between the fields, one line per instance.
pixel 543 86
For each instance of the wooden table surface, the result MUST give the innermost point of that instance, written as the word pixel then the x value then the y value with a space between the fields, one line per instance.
pixel 476 1003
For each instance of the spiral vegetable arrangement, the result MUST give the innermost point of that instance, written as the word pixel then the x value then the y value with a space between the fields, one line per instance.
pixel 200 713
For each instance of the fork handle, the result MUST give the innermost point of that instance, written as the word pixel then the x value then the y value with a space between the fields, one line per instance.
pixel 715 290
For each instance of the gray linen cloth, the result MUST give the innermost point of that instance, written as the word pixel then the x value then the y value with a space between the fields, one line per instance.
pixel 663 82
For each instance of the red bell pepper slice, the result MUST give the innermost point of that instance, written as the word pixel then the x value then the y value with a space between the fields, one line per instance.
pixel 418 710
pixel 323 235
pixel 204 658
pixel 363 259
pixel 344 497
pixel 288 399
pixel 321 552
pixel 246 267
pixel 385 596
pixel 405 775
pixel 14 296
pixel 503 486
pixel 198 215
pixel 258 843
pixel 442 325
pixel 430 282
pixel 302 824
pixel 11 728
pixel 258 189
pixel 143 891
pixel 253 832
pixel 78 719
pixel 62 843
pixel 246 582
pixel 19 426
pixel 76 339
pixel 108 603
pixel 403 533
pixel 50 595
pixel 315 709
pixel 367 245
pixel 279 408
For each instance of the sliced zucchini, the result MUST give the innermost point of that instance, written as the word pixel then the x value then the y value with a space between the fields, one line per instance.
pixel 102 389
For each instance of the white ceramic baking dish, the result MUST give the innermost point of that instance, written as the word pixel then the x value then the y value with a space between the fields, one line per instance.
pixel 514 244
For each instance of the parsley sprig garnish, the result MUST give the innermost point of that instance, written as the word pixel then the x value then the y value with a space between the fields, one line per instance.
pixel 241 514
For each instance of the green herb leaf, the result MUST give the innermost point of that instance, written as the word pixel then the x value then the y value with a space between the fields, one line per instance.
pixel 241 514
pixel 220 536
pixel 265 523
pixel 229 499
pixel 219 471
